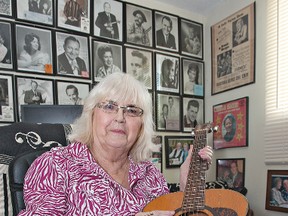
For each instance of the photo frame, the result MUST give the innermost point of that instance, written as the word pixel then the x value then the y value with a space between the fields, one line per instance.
pixel 6 8
pixel 7 48
pixel 41 12
pixel 232 120
pixel 156 157
pixel 40 45
pixel 75 20
pixel 107 59
pixel 139 63
pixel 108 19
pixel 143 35
pixel 71 93
pixel 232 171
pixel 191 43
pixel 277 190
pixel 233 55
pixel 166 38
pixel 176 150
pixel 167 73
pixel 74 63
pixel 193 77
pixel 168 112
pixel 7 100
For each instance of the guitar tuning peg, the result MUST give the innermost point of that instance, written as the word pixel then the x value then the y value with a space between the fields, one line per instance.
pixel 193 132
pixel 216 128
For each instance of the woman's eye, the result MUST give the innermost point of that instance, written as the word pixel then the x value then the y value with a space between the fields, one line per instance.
pixel 109 107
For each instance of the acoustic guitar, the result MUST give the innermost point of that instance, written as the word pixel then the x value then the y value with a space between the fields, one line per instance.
pixel 195 200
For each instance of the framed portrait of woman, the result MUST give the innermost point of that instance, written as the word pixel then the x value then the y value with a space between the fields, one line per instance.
pixel 7 100
pixel 73 56
pixel 34 49
pixel 6 45
pixel 7 8
pixel 107 59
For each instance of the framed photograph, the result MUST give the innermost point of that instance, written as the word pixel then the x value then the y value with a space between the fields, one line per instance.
pixel 176 150
pixel 7 100
pixel 193 113
pixel 139 26
pixel 6 45
pixel 139 64
pixel 156 157
pixel 277 190
pixel 167 73
pixel 191 43
pixel 34 91
pixel 107 59
pixel 36 11
pixel 71 93
pixel 6 8
pixel 74 15
pixel 108 19
pixel 168 112
pixel 232 119
pixel 233 51
pixel 34 50
pixel 73 56
pixel 232 171
pixel 166 31
pixel 193 77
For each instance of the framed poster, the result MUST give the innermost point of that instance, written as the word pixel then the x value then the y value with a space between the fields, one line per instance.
pixel 233 51
pixel 108 19
pixel 191 43
pixel 6 8
pixel 6 45
pixel 7 100
pixel 277 190
pixel 156 157
pixel 232 120
pixel 139 65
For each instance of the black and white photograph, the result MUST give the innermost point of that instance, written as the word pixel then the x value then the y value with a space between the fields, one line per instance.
pixel 74 15
pixel 191 42
pixel 156 157
pixel 107 59
pixel 168 112
pixel 166 31
pixel 167 73
pixel 139 26
pixel 34 49
pixel 38 11
pixel 240 30
pixel 108 19
pixel 193 77
pixel 7 105
pixel 6 50
pixel 71 93
pixel 73 57
pixel 6 8
pixel 139 65
pixel 193 113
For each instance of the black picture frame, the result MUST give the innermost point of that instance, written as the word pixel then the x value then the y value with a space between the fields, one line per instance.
pixel 7 99
pixel 108 27
pixel 7 9
pixel 72 48
pixel 156 157
pixel 7 49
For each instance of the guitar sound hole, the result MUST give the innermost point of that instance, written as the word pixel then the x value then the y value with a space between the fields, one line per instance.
pixel 192 214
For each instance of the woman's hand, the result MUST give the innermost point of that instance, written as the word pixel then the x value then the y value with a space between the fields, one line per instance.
pixel 156 213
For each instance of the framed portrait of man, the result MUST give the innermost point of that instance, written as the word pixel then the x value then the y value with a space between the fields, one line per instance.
pixel 7 105
pixel 73 56
pixel 108 19
pixel 6 45
pixel 6 8
pixel 139 65
pixel 139 26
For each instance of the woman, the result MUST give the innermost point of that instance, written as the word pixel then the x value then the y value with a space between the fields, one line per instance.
pixel 5 54
pixel 105 170
pixel 31 57
pixel 229 125
pixel 168 76
pixel 193 75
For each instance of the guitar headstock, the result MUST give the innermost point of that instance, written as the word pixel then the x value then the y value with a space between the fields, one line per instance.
pixel 207 127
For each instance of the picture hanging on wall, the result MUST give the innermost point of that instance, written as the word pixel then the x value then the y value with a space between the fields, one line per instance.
pixel 6 8
pixel 156 157
pixel 7 100
pixel 6 45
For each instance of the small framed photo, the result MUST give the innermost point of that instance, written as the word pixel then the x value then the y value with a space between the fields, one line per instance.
pixel 193 113
pixel 7 105
pixel 232 119
pixel 277 190
pixel 34 50
pixel 107 59
pixel 36 11
pixel 6 45
pixel 139 64
pixel 168 112
pixel 71 93
pixel 156 157
pixel 193 77
pixel 167 73
pixel 176 150
pixel 139 26
pixel 73 56
pixel 74 15
pixel 191 43
pixel 166 31
pixel 232 171
pixel 108 19
pixel 6 8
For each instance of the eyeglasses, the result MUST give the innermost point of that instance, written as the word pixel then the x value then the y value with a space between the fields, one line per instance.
pixel 112 107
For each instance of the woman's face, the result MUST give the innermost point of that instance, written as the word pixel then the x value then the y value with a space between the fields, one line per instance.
pixel 228 125
pixel 192 75
pixel 108 59
pixel 35 44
